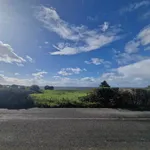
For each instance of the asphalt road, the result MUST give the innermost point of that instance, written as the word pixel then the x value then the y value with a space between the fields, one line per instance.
pixel 74 129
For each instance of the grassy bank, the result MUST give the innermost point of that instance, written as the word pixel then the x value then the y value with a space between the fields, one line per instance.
pixel 61 98
pixel 100 97
pixel 15 98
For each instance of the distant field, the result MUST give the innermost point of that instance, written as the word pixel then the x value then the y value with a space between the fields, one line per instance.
pixel 60 98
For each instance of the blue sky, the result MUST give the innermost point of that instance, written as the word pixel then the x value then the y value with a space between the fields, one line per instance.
pixel 75 43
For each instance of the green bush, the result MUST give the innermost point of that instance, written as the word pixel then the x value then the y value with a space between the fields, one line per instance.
pixel 47 87
pixel 35 88
pixel 15 99
pixel 119 98
pixel 135 97
pixel 104 97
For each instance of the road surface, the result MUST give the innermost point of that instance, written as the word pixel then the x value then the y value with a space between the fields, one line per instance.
pixel 74 129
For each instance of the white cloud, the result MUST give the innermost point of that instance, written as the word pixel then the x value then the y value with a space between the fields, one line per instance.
pixel 56 77
pixel 138 70
pixel 142 39
pixel 63 72
pixel 126 58
pixel 29 59
pixel 70 71
pixel 88 79
pixel 46 42
pixel 39 70
pixel 95 61
pixel 144 36
pixel 98 61
pixel 105 26
pixel 16 74
pixel 20 65
pixel 39 75
pixel 107 64
pixel 92 19
pixel 83 39
pixel 134 6
pixel 132 47
pixel 8 55
pixel 132 75
pixel 147 48
pixel 146 15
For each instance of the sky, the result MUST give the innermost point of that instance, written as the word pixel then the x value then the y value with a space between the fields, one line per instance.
pixel 75 42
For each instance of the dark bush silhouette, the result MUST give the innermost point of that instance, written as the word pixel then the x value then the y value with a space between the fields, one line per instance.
pixel 135 97
pixel 105 97
pixel 14 86
pixel 119 98
pixel 22 87
pixel 15 99
pixel 35 88
pixel 104 84
pixel 47 87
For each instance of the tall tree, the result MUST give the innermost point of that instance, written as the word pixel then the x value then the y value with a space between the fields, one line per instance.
pixel 104 84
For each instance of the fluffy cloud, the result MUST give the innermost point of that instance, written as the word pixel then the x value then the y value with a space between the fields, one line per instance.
pixel 8 55
pixel 147 48
pixel 46 42
pixel 98 61
pixel 20 65
pixel 105 26
pixel 29 59
pixel 144 36
pixel 88 79
pixel 136 70
pixel 146 15
pixel 133 75
pixel 125 58
pixel 142 39
pixel 39 75
pixel 82 39
pixel 92 19
pixel 70 71
pixel 132 47
pixel 134 6
pixel 16 74
pixel 14 80
pixel 95 61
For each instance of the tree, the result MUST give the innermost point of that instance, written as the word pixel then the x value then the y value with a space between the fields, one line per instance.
pixel 148 86
pixel 35 88
pixel 47 87
pixel 104 84
pixel 14 86
pixel 1 86
pixel 22 87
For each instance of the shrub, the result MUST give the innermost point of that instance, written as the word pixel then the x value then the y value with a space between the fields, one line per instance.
pixel 122 98
pixel 22 87
pixel 14 86
pixel 15 99
pixel 35 88
pixel 139 97
pixel 105 97
pixel 104 84
pixel 47 87
pixel 134 97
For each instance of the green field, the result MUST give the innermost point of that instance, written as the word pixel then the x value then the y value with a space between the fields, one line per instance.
pixel 60 98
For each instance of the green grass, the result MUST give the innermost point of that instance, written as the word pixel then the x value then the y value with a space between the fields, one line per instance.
pixel 61 98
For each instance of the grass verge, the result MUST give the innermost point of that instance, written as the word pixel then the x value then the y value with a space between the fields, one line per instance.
pixel 61 98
